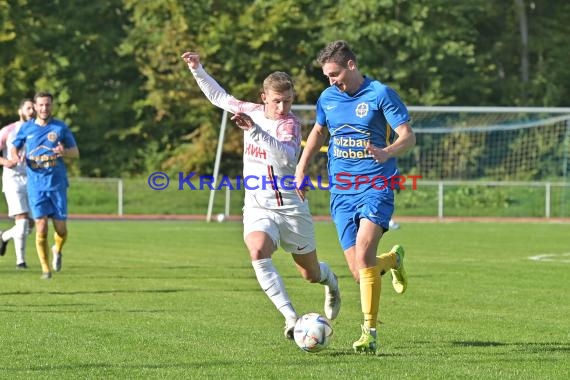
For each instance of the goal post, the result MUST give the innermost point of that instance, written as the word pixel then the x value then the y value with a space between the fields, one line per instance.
pixel 219 149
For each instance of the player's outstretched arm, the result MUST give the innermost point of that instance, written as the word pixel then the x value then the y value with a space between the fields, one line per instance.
pixel 211 88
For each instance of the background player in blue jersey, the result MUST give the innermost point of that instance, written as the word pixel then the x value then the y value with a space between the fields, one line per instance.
pixel 47 142
pixel 369 126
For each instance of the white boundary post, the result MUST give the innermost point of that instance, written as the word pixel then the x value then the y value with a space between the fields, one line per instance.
pixel 547 200
pixel 440 200
pixel 227 210
pixel 120 196
pixel 217 164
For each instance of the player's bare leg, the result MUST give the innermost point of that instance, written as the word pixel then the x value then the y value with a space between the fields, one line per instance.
pixel 314 271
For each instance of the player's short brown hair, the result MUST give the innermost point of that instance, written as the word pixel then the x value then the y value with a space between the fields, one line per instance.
pixel 43 94
pixel 278 82
pixel 338 52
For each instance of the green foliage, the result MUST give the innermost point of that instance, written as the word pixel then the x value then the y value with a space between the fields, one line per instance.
pixel 115 65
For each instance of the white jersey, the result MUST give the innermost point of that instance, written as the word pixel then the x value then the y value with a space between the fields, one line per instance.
pixel 271 148
pixel 13 179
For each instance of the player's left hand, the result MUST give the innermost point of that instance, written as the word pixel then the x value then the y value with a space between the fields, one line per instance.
pixel 59 149
pixel 379 154
pixel 243 121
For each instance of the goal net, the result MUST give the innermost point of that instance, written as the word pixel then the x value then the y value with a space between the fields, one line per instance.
pixel 480 143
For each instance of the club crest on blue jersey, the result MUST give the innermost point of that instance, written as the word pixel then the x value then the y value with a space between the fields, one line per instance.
pixel 362 110
pixel 52 136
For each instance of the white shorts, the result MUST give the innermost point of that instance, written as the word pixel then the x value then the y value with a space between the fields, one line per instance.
pixel 291 228
pixel 17 202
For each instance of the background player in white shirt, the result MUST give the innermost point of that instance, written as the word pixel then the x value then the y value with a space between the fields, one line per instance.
pixel 14 181
pixel 273 214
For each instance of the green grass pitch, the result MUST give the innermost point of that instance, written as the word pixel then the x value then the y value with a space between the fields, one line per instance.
pixel 179 300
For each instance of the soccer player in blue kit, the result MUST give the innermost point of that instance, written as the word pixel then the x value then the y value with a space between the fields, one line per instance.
pixel 369 126
pixel 47 143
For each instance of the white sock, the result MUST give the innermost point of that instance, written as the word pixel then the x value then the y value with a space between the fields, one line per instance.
pixel 273 286
pixel 9 234
pixel 19 236
pixel 326 274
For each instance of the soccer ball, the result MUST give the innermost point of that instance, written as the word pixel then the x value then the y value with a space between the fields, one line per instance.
pixel 220 218
pixel 313 332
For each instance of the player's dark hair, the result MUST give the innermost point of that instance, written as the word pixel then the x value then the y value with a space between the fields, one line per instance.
pixel 23 101
pixel 337 52
pixel 43 94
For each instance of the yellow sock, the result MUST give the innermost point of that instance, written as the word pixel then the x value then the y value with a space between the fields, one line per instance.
pixel 42 248
pixel 370 286
pixel 59 241
pixel 387 261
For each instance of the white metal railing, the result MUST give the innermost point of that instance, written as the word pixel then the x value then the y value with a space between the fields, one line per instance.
pixel 546 185
pixel 120 189
pixel 441 186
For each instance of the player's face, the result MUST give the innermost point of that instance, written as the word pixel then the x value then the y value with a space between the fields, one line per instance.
pixel 277 104
pixel 339 76
pixel 27 111
pixel 43 108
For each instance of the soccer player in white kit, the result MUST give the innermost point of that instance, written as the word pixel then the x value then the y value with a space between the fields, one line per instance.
pixel 14 181
pixel 273 214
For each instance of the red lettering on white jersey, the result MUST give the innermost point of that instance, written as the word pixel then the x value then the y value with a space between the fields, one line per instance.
pixel 255 151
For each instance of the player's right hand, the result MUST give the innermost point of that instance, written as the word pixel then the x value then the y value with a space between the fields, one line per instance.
pixel 9 163
pixel 192 59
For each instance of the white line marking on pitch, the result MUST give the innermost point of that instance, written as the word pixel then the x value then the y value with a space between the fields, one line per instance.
pixel 555 257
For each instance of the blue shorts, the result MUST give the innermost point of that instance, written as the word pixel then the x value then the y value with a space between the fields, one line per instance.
pixel 52 204
pixel 348 209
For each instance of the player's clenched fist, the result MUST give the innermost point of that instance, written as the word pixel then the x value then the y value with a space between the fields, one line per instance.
pixel 192 59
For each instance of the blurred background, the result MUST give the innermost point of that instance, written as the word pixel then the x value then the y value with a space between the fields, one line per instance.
pixel 114 67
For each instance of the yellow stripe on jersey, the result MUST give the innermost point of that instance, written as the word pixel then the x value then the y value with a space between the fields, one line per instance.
pixel 324 149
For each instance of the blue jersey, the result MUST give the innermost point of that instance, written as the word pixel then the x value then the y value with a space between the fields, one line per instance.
pixel 369 115
pixel 46 171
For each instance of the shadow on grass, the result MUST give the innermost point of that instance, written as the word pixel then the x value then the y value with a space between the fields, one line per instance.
pixel 349 352
pixel 473 343
pixel 525 346
pixel 110 366
pixel 117 291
